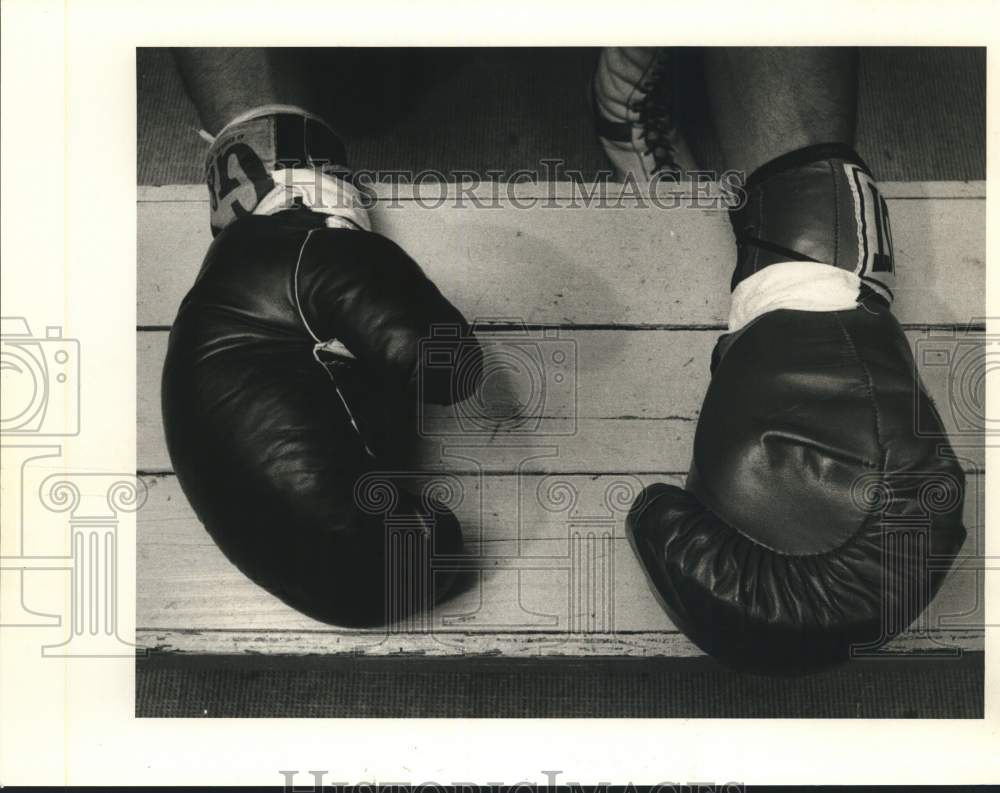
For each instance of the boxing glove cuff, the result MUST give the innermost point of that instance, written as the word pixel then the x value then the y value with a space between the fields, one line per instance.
pixel 244 161
pixel 819 205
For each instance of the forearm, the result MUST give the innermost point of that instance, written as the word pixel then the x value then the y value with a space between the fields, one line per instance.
pixel 768 101
pixel 224 82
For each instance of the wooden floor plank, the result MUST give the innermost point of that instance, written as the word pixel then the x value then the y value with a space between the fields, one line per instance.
pixel 632 404
pixel 639 295
pixel 509 645
pixel 539 564
pixel 566 266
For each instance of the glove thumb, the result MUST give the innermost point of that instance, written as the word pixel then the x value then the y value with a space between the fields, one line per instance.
pixel 364 291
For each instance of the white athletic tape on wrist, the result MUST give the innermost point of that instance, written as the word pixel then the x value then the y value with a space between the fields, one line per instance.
pixel 329 195
pixel 802 286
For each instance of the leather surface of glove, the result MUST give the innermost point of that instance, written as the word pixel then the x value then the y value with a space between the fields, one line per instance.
pixel 269 444
pixel 816 522
pixel 812 513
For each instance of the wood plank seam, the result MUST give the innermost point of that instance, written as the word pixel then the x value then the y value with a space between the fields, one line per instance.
pixel 695 280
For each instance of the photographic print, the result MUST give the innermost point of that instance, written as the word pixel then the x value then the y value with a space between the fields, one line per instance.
pixel 561 381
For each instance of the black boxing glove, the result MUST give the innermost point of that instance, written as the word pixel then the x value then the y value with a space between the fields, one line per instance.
pixel 290 376
pixel 814 520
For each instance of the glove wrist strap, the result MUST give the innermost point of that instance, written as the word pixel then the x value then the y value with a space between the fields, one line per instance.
pixel 816 205
pixel 245 163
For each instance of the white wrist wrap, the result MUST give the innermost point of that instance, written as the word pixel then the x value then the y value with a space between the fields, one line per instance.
pixel 802 286
pixel 340 201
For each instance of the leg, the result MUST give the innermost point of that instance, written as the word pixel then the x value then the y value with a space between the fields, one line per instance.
pixel 767 101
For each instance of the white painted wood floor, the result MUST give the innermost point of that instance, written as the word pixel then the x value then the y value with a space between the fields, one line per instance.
pixel 635 298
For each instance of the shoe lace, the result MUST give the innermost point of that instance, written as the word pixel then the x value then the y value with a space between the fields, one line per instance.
pixel 655 112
